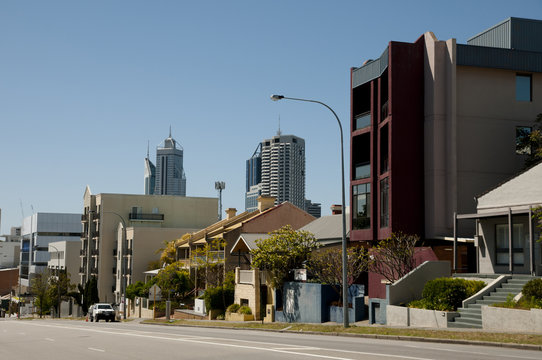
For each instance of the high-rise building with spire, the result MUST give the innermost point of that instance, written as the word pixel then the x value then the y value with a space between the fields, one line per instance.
pixel 277 168
pixel 167 177
pixel 150 175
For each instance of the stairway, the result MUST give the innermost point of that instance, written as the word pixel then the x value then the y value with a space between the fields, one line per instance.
pixel 471 315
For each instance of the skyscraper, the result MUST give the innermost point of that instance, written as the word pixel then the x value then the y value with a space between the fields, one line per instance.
pixel 279 162
pixel 150 175
pixel 167 177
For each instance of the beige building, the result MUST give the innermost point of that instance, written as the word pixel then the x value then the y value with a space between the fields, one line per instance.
pixel 64 256
pixel 148 220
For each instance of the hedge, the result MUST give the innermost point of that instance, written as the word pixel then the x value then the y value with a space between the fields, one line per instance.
pixel 447 294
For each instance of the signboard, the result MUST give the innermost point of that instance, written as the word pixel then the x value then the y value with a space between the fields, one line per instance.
pixel 300 274
pixel 155 293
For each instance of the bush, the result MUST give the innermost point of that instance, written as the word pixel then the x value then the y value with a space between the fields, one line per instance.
pixel 447 294
pixel 533 289
pixel 244 310
pixel 233 308
pixel 218 298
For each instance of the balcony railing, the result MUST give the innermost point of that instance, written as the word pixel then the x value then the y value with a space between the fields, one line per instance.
pixel 81 270
pixel 84 218
pixel 94 252
pixel 147 217
pixel 362 171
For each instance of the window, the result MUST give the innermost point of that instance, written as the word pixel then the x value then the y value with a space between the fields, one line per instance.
pixel 384 203
pixel 502 244
pixel 523 145
pixel 524 88
pixel 362 121
pixel 361 218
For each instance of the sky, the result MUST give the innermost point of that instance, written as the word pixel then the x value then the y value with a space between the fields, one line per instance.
pixel 86 85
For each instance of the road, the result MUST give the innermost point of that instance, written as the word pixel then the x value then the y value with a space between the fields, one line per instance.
pixel 71 339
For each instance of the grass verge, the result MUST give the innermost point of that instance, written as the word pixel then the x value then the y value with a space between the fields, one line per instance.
pixel 484 336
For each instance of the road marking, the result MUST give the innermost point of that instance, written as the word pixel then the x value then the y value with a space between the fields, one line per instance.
pixel 471 352
pixel 49 339
pixel 94 349
pixel 196 341
pixel 298 348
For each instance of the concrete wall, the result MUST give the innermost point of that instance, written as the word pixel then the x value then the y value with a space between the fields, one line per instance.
pixel 9 254
pixel 410 287
pixel 307 302
pixel 497 319
pixel 403 316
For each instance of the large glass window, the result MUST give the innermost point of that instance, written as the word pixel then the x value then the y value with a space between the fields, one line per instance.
pixel 361 218
pixel 384 203
pixel 502 244
pixel 523 87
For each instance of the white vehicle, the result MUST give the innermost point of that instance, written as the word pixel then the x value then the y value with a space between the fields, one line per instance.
pixel 102 311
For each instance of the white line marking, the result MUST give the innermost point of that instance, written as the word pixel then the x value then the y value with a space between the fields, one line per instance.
pixel 49 339
pixel 470 352
pixel 117 332
pixel 298 348
pixel 94 349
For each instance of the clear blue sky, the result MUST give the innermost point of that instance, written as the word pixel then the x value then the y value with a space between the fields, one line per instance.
pixel 85 85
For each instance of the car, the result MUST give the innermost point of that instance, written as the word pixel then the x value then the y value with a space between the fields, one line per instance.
pixel 90 313
pixel 103 311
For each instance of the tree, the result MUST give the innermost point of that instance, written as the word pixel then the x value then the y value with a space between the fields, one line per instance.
pixel 168 253
pixel 529 142
pixel 285 250
pixel 89 293
pixel 326 266
pixel 136 289
pixel 393 257
pixel 60 288
pixel 209 260
pixel 39 287
pixel 175 280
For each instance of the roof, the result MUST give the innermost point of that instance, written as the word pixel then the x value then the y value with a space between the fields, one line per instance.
pixel 327 228
pixel 247 242
pixel 522 190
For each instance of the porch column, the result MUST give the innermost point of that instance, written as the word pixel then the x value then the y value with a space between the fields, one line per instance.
pixel 531 242
pixel 510 249
pixel 454 262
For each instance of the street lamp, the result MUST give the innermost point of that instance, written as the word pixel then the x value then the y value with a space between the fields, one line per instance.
pixel 57 277
pixel 344 260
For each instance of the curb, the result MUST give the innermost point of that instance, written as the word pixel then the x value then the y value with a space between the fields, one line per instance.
pixel 374 336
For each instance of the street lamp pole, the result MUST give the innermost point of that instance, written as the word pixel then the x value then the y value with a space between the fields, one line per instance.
pixel 344 256
pixel 58 278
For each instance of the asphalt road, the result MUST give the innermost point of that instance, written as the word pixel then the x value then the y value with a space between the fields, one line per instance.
pixel 69 340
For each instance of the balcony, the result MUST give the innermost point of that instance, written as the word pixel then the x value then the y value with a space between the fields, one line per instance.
pixel 94 252
pixel 84 218
pixel 363 121
pixel 94 270
pixel 83 252
pixel 146 217
pixel 81 270
pixel 362 171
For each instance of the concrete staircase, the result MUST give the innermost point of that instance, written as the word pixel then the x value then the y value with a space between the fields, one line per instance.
pixel 471 315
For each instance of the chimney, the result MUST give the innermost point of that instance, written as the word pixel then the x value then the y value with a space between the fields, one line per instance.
pixel 265 202
pixel 230 212
pixel 336 209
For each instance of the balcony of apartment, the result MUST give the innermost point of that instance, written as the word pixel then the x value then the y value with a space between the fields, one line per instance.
pixel 81 270
pixel 94 252
pixel 94 270
pixel 146 217
pixel 82 252
pixel 84 218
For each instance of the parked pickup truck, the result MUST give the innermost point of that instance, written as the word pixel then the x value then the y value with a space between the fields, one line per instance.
pixel 103 311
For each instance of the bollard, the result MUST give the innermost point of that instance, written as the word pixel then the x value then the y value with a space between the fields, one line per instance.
pixel 168 309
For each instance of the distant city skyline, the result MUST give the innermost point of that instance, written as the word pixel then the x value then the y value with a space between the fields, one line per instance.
pixel 85 86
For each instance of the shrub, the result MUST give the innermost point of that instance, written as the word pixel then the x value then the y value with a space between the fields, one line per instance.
pixel 447 294
pixel 218 298
pixel 245 310
pixel 533 289
pixel 220 317
pixel 233 308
